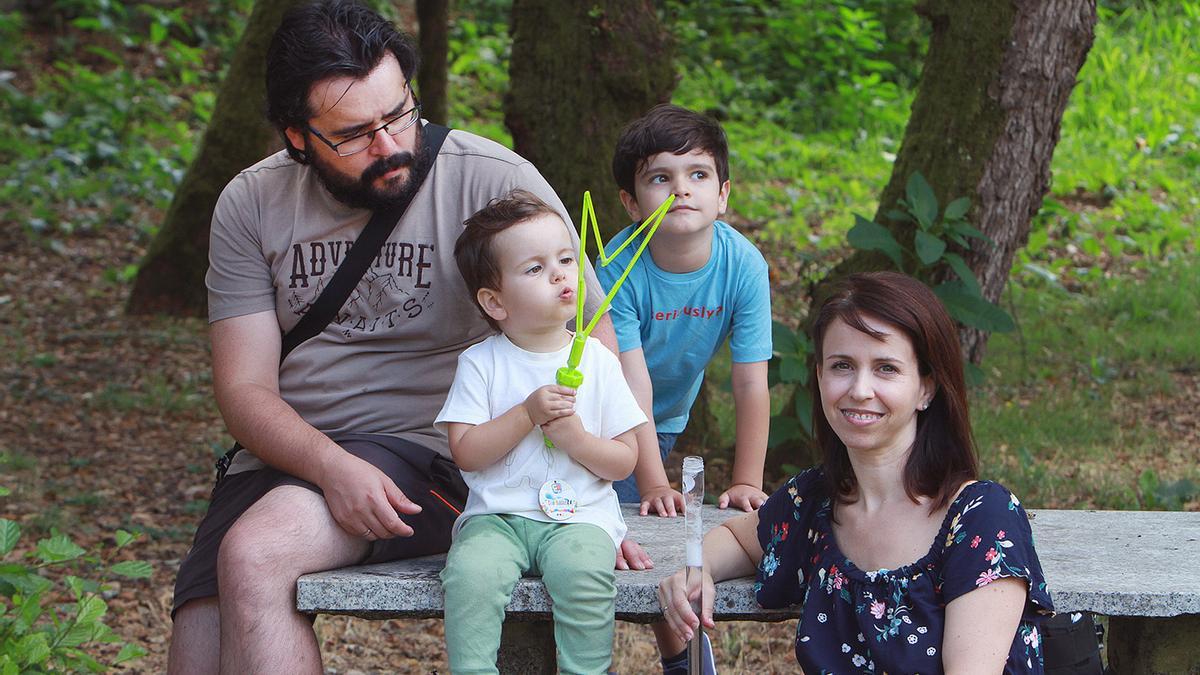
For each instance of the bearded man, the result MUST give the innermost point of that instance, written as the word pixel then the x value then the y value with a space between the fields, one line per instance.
pixel 339 461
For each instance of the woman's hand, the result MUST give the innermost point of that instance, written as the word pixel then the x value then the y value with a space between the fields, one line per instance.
pixel 675 598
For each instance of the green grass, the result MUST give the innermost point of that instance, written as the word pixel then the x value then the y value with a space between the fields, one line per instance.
pixel 1061 417
pixel 1131 137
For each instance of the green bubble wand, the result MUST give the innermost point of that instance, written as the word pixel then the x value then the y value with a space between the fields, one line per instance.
pixel 569 375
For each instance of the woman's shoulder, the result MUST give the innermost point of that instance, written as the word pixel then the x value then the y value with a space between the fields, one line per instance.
pixel 988 495
pixel 809 484
pixel 797 499
pixel 984 505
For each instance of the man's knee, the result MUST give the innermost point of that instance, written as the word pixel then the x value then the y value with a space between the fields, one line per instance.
pixel 262 545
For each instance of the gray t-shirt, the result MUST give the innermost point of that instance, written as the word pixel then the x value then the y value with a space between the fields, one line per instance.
pixel 385 363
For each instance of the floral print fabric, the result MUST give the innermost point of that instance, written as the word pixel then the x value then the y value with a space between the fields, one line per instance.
pixel 858 621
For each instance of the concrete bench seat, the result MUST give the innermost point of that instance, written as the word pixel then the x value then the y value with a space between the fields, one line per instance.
pixel 1142 569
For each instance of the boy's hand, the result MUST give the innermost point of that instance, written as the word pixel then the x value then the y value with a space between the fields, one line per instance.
pixel 565 432
pixel 665 501
pixel 745 497
pixel 549 402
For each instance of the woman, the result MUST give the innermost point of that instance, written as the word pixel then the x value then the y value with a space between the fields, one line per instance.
pixel 901 561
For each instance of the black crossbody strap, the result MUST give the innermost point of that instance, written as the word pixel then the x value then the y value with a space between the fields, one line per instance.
pixel 358 259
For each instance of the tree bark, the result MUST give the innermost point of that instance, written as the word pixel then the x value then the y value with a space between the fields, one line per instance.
pixel 984 125
pixel 579 72
pixel 171 278
pixel 433 18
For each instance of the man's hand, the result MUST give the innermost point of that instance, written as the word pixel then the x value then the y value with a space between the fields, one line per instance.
pixel 549 402
pixel 364 501
pixel 631 555
pixel 665 501
pixel 745 497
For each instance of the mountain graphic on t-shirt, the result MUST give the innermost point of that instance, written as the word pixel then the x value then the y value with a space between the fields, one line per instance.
pixel 379 286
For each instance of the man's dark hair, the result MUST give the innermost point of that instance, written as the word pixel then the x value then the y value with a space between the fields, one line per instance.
pixel 329 38
pixel 473 250
pixel 668 128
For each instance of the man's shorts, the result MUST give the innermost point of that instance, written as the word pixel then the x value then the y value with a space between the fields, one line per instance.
pixel 424 476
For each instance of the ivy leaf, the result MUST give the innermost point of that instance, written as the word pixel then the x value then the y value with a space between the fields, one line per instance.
pixel 123 538
pixel 91 608
pixel 972 309
pixel 783 429
pixel 129 652
pixel 32 649
pixel 870 236
pixel 964 272
pixel 10 532
pixel 968 230
pixel 929 247
pixel 921 200
pixel 783 339
pixel 958 208
pixel 804 407
pixel 133 569
pixel 793 370
pixel 58 548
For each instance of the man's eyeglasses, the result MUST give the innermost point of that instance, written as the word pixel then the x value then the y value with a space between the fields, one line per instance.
pixel 360 142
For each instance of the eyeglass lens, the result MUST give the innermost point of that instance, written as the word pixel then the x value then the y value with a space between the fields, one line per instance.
pixel 392 127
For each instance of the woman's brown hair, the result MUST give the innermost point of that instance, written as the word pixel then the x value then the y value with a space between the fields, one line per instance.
pixel 943 453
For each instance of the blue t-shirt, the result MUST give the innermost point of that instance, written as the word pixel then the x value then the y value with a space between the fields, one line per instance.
pixel 858 621
pixel 681 320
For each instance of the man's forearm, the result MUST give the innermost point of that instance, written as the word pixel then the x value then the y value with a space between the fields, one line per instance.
pixel 271 429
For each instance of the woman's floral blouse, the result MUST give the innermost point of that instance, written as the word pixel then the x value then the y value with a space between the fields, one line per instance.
pixel 891 621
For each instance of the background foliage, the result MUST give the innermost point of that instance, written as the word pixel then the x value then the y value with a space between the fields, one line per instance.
pixel 1089 402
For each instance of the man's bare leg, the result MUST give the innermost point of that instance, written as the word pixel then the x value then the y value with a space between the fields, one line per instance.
pixel 195 638
pixel 287 533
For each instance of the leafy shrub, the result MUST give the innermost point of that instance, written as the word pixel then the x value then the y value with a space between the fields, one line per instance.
pixel 810 66
pixel 963 296
pixel 40 634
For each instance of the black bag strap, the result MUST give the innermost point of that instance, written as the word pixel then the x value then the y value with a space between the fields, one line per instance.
pixel 359 258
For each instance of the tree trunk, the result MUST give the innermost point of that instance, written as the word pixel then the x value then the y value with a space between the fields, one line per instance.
pixel 432 17
pixel 171 278
pixel 985 122
pixel 579 72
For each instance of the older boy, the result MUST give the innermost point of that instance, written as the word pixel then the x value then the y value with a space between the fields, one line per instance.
pixel 534 506
pixel 701 282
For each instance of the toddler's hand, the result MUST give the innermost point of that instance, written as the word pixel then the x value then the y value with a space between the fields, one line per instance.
pixel 745 497
pixel 564 432
pixel 664 500
pixel 550 402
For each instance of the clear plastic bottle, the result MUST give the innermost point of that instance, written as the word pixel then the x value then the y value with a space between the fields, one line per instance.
pixel 693 501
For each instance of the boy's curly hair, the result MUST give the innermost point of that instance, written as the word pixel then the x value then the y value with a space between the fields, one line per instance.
pixel 473 250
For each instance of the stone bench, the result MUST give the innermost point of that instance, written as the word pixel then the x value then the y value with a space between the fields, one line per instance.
pixel 1141 569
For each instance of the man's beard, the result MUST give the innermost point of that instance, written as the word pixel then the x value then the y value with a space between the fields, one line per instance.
pixel 361 192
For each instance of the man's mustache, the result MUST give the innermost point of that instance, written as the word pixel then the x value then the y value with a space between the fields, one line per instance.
pixel 400 160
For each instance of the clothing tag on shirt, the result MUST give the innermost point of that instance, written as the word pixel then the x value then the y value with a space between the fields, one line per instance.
pixel 557 499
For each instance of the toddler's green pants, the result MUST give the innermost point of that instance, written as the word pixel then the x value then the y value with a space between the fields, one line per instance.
pixel 490 554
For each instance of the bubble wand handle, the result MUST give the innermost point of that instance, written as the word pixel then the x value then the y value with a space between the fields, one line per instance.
pixel 693 501
pixel 570 375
